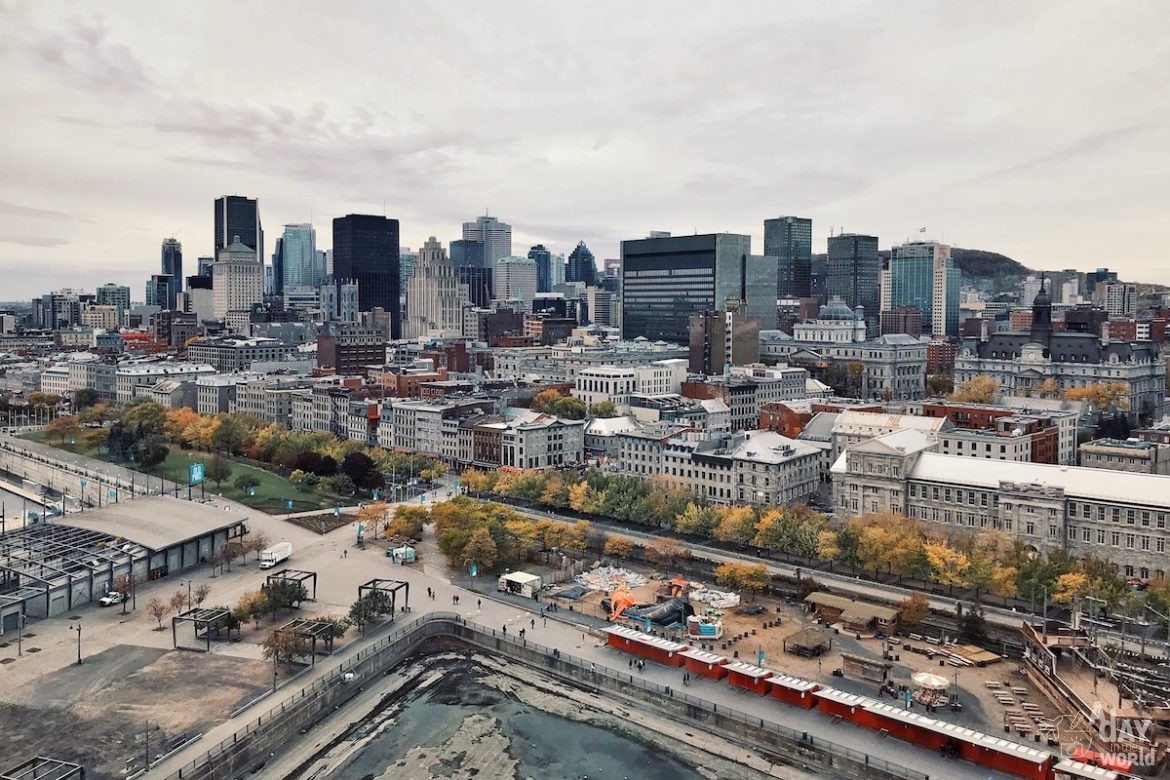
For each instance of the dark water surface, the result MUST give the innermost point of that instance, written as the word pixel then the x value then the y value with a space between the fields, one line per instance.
pixel 544 745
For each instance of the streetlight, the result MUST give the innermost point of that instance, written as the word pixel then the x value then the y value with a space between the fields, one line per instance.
pixel 77 628
pixel 20 632
pixel 188 594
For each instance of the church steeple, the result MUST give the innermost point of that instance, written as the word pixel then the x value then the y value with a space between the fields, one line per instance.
pixel 1042 315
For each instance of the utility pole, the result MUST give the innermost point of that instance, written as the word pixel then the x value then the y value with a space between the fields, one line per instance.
pixel 77 628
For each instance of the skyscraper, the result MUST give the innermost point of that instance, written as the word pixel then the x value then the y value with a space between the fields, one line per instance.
pixel 433 305
pixel 365 250
pixel 495 236
pixel 582 267
pixel 406 261
pixel 299 266
pixel 543 259
pixel 515 277
pixel 854 274
pixel 158 291
pixel 467 253
pixel 789 239
pixel 237 279
pixel 110 294
pixel 236 215
pixel 667 280
pixel 922 275
pixel 172 263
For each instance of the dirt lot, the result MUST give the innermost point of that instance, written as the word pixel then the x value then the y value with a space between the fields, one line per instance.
pixel 97 714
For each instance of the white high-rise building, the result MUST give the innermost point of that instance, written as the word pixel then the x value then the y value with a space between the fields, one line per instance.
pixel 433 304
pixel 237 279
pixel 495 236
pixel 515 277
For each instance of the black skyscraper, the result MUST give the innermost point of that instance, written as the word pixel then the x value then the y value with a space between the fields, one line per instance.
pixel 365 249
pixel 789 239
pixel 582 267
pixel 543 259
pixel 278 268
pixel 854 273
pixel 236 215
pixel 172 264
pixel 466 253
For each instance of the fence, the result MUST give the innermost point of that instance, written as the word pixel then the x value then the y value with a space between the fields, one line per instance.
pixel 249 748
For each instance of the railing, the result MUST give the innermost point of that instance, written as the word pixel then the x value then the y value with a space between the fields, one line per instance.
pixel 252 745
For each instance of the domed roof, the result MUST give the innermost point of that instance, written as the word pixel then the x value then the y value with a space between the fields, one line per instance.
pixel 836 309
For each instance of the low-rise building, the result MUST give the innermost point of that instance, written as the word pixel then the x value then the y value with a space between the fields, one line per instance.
pixel 1143 457
pixel 1119 516
pixel 174 394
pixel 542 441
pixel 853 427
pixel 754 467
pixel 133 380
pixel 617 383
pixel 229 354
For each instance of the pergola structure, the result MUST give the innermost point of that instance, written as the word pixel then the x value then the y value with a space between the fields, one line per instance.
pixel 41 768
pixel 810 643
pixel 389 587
pixel 309 630
pixel 298 576
pixel 205 621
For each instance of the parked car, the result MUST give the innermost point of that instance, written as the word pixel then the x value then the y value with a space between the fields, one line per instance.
pixel 111 599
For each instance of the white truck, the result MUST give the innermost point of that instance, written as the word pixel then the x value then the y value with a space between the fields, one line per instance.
pixel 281 551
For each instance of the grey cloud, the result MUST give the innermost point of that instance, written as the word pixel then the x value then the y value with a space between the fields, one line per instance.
pixel 84 56
pixel 17 210
pixel 38 241
pixel 1084 146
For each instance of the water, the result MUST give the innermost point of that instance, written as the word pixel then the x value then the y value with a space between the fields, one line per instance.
pixel 542 744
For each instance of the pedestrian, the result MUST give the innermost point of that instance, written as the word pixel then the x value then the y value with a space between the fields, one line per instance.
pixel 546 621
pixel 505 630
pixel 532 622
pixel 345 553
pixel 479 603
pixel 593 667
pixel 454 599
pixel 428 593
pixel 521 633
pixel 631 663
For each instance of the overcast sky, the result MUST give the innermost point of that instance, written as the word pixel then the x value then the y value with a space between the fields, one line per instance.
pixel 1039 130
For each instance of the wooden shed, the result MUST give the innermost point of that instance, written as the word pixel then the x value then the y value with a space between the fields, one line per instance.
pixel 651 648
pixel 706 664
pixel 747 676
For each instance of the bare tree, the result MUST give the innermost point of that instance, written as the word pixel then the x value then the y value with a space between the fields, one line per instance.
pixel 178 599
pixel 123 585
pixel 259 541
pixel 158 609
pixel 202 591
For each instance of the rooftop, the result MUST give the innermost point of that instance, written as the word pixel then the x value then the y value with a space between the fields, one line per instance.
pixel 1124 444
pixel 155 522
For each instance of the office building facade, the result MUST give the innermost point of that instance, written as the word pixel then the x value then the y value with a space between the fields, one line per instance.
pixel 237 280
pixel 667 280
pixel 582 266
pixel 922 275
pixel 495 236
pixel 172 265
pixel 434 308
pixel 236 215
pixel 789 240
pixel 854 274
pixel 111 294
pixel 365 251
pixel 300 264
pixel 543 259
pixel 515 279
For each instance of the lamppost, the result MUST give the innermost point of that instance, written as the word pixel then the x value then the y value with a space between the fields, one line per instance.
pixel 188 594
pixel 77 628
pixel 20 632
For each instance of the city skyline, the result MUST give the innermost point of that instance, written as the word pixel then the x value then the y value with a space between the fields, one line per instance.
pixel 1039 172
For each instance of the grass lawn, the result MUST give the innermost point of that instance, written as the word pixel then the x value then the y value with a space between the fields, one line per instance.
pixel 271 495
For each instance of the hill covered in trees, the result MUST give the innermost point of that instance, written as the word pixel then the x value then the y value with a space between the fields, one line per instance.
pixel 979 264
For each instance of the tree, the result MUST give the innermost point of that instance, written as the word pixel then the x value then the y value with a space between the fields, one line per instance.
pixel 149 452
pixel 1071 586
pixel 949 565
pixel 736 524
pixel 178 600
pixel 158 609
pixel 123 585
pixel 604 408
pixel 100 413
pixel 666 553
pixel 93 438
pixel 63 429
pixel 251 605
pixel 577 536
pixel 374 514
pixel 144 415
pixel 257 542
pixel 246 482
pixel 357 466
pixel 854 371
pixel 285 646
pixel 200 594
pixel 373 605
pixel 617 547
pixel 176 421
pixel 980 389
pixel 915 608
pixel 217 469
pixel 545 401
pixel 1049 388
pixel 940 384
pixel 284 594
pixel 407 522
pixel 1103 396
pixel 229 435
pixel 481 549
pixel 85 398
pixel 696 519
pixel 743 576
pixel 972 625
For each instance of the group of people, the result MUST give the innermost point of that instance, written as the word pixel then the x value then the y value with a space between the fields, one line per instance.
pixel 638 663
